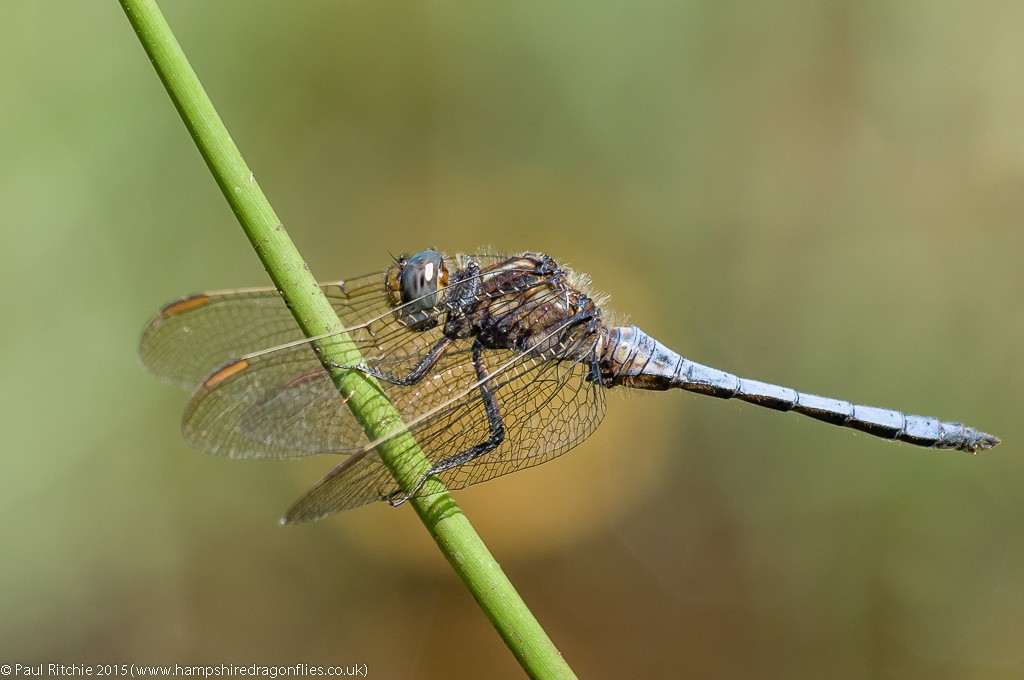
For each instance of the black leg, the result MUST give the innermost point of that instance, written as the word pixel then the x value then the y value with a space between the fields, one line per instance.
pixel 495 438
pixel 414 376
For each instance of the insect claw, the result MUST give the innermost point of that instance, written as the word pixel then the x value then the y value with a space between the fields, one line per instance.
pixel 361 367
pixel 395 498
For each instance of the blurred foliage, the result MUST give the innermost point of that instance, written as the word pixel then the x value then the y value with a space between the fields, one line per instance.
pixel 825 195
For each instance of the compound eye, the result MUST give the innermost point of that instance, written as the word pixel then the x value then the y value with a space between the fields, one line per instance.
pixel 423 275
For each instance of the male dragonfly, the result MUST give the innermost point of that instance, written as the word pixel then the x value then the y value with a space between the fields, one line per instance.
pixel 495 363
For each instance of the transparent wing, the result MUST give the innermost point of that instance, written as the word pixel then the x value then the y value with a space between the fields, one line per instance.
pixel 189 338
pixel 283 404
pixel 280 403
pixel 547 404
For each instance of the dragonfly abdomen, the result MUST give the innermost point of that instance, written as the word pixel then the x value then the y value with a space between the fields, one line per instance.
pixel 632 358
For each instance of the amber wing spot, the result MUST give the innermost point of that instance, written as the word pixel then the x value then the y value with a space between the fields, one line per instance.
pixel 185 305
pixel 222 374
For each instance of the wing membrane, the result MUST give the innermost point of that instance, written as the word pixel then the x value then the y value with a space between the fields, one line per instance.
pixel 283 404
pixel 280 403
pixel 190 337
pixel 274 400
pixel 547 405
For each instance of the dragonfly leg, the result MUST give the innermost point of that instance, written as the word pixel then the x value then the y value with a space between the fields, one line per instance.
pixel 494 439
pixel 415 375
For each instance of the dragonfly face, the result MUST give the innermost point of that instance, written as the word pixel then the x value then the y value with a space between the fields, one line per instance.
pixel 495 364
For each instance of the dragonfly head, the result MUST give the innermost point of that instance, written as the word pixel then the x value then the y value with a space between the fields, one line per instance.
pixel 413 285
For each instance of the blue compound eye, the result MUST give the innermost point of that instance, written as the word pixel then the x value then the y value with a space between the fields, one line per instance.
pixel 420 279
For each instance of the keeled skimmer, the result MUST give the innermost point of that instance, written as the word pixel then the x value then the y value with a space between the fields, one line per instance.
pixel 495 363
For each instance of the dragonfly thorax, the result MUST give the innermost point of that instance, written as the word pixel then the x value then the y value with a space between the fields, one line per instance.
pixel 519 304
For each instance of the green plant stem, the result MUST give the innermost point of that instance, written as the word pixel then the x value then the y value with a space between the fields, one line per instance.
pixel 444 520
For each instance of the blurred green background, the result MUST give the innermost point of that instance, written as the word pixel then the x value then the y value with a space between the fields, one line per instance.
pixel 827 195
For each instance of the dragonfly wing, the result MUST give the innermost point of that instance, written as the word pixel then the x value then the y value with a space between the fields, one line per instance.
pixel 192 336
pixel 276 405
pixel 281 403
pixel 547 405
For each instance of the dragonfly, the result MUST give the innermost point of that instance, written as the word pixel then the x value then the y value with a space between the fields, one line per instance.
pixel 495 363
